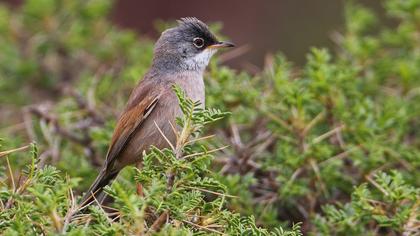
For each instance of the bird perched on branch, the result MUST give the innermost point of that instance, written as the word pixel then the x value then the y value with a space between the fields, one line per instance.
pixel 181 55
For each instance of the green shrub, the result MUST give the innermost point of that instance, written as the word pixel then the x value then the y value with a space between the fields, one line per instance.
pixel 334 144
pixel 176 194
pixel 392 204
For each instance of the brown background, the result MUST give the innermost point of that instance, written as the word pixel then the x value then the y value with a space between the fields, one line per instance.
pixel 289 26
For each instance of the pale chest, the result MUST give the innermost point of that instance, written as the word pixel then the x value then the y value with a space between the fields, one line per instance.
pixel 193 86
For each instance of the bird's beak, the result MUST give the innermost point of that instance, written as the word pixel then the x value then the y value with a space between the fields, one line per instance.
pixel 221 45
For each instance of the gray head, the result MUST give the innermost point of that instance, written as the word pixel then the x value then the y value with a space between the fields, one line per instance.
pixel 189 46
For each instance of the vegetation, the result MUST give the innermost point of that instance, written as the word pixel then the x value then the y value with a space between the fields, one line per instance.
pixel 332 148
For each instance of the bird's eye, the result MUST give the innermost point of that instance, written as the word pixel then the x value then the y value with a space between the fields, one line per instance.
pixel 198 42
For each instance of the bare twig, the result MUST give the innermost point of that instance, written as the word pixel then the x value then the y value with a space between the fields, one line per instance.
pixel 72 209
pixel 157 225
pixel 164 136
pixel 313 122
pixel 202 153
pixel 203 227
pixel 338 156
pixel 9 168
pixel 200 139
pixel 372 181
pixel 212 192
pixel 5 153
pixel 327 134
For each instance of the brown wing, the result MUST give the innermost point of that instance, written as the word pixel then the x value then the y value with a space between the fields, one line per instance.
pixel 139 106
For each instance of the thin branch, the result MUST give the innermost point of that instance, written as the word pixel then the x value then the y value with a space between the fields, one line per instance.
pixel 212 192
pixel 278 120
pixel 70 211
pixel 157 225
pixel 327 134
pixel 200 139
pixel 5 153
pixel 376 185
pixel 174 130
pixel 9 168
pixel 164 136
pixel 315 168
pixel 338 156
pixel 207 152
pixel 313 122
pixel 202 227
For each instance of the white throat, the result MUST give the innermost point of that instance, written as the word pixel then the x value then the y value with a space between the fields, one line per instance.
pixel 199 61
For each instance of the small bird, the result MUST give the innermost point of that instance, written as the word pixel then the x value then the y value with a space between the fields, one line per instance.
pixel 181 55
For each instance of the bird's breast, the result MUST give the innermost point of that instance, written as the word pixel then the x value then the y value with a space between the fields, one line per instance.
pixel 192 84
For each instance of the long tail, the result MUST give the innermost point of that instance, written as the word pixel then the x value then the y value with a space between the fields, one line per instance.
pixel 95 191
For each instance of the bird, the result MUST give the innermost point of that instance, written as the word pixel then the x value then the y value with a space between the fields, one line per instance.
pixel 180 57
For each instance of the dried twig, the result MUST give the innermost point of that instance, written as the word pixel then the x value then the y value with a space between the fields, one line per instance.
pixel 164 136
pixel 157 225
pixel 212 192
pixel 5 153
pixel 203 227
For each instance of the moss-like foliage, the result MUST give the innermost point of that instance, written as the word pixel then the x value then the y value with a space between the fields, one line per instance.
pixel 334 144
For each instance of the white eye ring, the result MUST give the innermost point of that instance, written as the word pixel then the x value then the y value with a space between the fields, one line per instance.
pixel 198 42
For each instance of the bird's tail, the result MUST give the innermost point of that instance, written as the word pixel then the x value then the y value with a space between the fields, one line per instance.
pixel 95 192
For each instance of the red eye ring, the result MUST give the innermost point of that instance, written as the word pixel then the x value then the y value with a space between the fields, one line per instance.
pixel 198 42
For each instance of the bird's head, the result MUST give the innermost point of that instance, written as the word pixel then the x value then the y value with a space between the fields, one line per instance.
pixel 189 46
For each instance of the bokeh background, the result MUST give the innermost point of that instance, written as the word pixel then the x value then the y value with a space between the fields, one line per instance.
pixel 269 26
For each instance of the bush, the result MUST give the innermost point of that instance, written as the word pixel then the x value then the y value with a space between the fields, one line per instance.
pixel 334 144
pixel 174 196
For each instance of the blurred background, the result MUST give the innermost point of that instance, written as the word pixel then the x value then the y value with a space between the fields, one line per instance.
pixel 270 26
pixel 327 137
